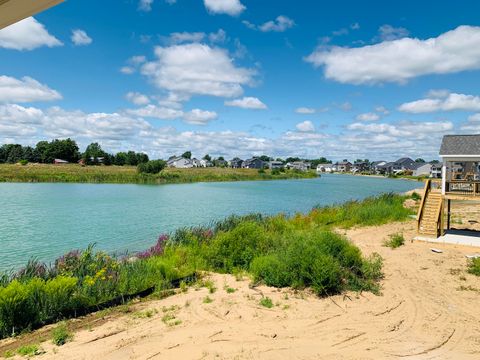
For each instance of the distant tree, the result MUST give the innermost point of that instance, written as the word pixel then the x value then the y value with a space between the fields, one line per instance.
pixel 41 151
pixel 292 159
pixel 265 158
pixel 120 158
pixel 108 159
pixel 66 149
pixel 29 154
pixel 207 157
pixel 14 153
pixel 131 158
pixel 142 158
pixel 434 162
pixel 92 153
pixel 419 160
pixel 151 167
pixel 345 160
pixel 221 158
pixel 187 155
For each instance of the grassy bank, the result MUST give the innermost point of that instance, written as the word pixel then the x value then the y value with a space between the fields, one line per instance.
pixel 299 251
pixel 74 173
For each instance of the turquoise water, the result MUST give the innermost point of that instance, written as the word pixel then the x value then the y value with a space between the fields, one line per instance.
pixel 47 220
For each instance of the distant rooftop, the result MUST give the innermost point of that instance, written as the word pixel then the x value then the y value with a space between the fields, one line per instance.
pixel 460 145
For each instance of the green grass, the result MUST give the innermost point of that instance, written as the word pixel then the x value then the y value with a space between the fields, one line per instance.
pixel 266 302
pixel 207 300
pixel 29 350
pixel 129 175
pixel 298 251
pixel 395 241
pixel 474 266
pixel 61 335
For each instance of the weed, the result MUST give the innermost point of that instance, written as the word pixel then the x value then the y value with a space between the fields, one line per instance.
pixel 207 300
pixel 61 335
pixel 29 350
pixel 395 241
pixel 266 302
pixel 474 266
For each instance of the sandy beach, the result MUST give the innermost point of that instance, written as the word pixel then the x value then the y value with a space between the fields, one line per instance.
pixel 428 309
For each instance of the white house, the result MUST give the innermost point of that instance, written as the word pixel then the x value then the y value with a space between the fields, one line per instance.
pixel 423 169
pixel 325 168
pixel 180 163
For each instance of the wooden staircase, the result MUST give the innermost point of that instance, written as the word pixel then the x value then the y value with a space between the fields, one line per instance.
pixel 430 212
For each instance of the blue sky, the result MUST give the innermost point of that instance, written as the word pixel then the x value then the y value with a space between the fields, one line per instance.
pixel 242 77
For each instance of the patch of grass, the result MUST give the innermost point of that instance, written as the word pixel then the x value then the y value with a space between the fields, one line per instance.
pixel 266 302
pixel 474 266
pixel 29 350
pixel 167 318
pixel 61 335
pixel 144 314
pixel 207 300
pixel 415 196
pixel 230 290
pixel 8 354
pixel 395 241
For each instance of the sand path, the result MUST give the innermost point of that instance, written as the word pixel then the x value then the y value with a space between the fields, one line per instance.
pixel 423 313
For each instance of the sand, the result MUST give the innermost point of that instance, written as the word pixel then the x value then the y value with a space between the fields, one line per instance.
pixel 428 309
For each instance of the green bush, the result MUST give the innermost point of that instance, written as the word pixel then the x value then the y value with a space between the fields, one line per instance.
pixel 23 162
pixel 61 335
pixel 395 241
pixel 266 302
pixel 151 167
pixel 271 269
pixel 474 266
pixel 416 196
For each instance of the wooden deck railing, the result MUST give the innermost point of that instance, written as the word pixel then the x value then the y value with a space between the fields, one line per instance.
pixel 463 187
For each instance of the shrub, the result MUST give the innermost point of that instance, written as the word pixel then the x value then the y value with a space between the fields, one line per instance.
pixel 266 302
pixel 61 335
pixel 151 167
pixel 29 350
pixel 272 270
pixel 395 241
pixel 261 171
pixel 23 162
pixel 474 266
pixel 416 196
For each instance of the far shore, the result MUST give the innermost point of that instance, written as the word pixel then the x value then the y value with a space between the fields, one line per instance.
pixel 74 173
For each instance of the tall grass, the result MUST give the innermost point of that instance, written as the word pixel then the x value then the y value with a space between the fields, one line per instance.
pixel 129 174
pixel 298 251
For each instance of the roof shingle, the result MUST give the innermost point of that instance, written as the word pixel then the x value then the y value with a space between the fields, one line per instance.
pixel 460 145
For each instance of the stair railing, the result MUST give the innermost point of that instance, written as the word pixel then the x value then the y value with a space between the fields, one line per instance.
pixel 426 190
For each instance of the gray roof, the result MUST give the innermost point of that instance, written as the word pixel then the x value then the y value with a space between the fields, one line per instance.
pixel 460 145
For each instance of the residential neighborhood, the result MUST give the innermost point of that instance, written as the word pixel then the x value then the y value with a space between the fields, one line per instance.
pixel 402 166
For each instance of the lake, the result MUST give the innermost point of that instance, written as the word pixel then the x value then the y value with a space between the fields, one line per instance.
pixel 46 220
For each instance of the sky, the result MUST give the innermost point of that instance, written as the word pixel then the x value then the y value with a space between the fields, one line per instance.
pixel 345 79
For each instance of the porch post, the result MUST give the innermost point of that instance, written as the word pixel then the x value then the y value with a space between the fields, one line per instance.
pixel 444 177
pixel 448 216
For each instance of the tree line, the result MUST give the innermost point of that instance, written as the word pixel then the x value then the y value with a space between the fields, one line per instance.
pixel 46 152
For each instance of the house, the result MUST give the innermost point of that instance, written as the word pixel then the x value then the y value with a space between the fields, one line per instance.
pixel 324 168
pixel 460 182
pixel 274 164
pixel 60 161
pixel 205 163
pixel 298 165
pixel 220 163
pixel 196 162
pixel 253 163
pixel 361 167
pixel 436 171
pixel 344 166
pixel 179 162
pixel 376 166
pixel 236 163
pixel 422 169
pixel 399 166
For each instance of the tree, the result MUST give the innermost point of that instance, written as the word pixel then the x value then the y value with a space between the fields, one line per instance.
pixel 66 149
pixel 142 158
pixel 131 158
pixel 151 167
pixel 221 158
pixel 120 159
pixel 187 155
pixel 207 157
pixel 265 158
pixel 92 153
pixel 419 160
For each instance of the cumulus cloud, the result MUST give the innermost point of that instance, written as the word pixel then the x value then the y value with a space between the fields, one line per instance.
pixel 157 112
pixel 305 110
pixel 199 117
pixel 305 126
pixel 183 37
pixel 137 98
pixel 145 5
pixel 27 34
pixel 80 38
pixel 197 69
pixel 247 103
pixel 24 90
pixel 402 59
pixel 368 117
pixel 388 32
pixel 451 102
pixel 473 124
pixel 280 24
pixel 133 64
pixel 218 37
pixel 229 7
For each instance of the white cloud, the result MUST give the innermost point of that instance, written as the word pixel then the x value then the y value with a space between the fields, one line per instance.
pixel 197 69
pixel 473 124
pixel 218 37
pixel 404 128
pixel 145 5
pixel 305 126
pixel 80 37
pixel 247 103
pixel 137 98
pixel 346 106
pixel 199 117
pixel 27 34
pixel 368 117
pixel 229 7
pixel 388 32
pixel 153 111
pixel 127 70
pixel 183 37
pixel 24 90
pixel 402 59
pixel 438 93
pixel 452 102
pixel 382 110
pixel 305 110
pixel 355 26
pixel 133 64
pixel 280 24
